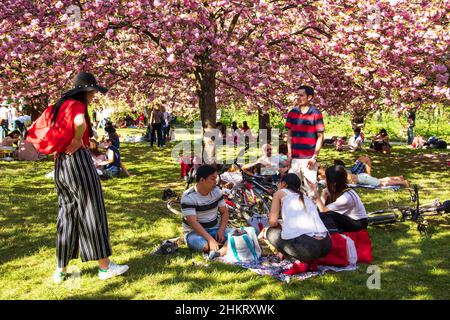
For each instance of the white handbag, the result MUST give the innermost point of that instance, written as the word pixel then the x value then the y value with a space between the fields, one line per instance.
pixel 243 246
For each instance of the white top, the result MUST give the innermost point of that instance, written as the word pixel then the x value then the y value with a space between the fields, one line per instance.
pixel 349 204
pixel 4 113
pixel 358 142
pixel 298 218
pixel 24 118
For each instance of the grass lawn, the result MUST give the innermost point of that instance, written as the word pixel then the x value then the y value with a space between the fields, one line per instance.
pixel 412 266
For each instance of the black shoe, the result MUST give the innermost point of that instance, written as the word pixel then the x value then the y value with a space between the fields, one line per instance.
pixel 167 247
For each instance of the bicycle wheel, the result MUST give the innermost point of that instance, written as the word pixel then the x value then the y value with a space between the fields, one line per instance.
pixel 382 219
pixel 174 206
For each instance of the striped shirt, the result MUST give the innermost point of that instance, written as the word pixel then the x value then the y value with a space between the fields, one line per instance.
pixel 304 128
pixel 204 207
pixel 358 167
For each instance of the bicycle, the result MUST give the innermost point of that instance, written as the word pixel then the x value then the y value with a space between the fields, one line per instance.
pixel 417 213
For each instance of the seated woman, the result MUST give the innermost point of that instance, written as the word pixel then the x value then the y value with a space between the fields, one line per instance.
pixel 380 143
pixel 357 176
pixel 96 155
pixel 113 165
pixel 11 139
pixel 341 203
pixel 302 233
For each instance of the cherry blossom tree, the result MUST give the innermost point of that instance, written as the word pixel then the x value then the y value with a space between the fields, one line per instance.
pixel 359 55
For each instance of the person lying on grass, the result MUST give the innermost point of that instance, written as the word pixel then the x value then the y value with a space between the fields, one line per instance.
pixel 205 231
pixel 340 203
pixel 301 234
pixel 356 175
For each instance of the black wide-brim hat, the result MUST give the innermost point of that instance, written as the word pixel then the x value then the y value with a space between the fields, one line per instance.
pixel 84 82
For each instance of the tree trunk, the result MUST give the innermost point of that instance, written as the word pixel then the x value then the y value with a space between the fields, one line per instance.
pixel 208 109
pixel 264 123
pixel 207 99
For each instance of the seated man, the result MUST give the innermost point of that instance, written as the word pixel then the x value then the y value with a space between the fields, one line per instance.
pixel 201 204
pixel 267 164
pixel 113 165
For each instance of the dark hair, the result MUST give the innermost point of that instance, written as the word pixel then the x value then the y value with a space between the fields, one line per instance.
pixel 338 162
pixel 383 131
pixel 309 90
pixel 283 149
pixel 336 181
pixel 357 130
pixel 293 183
pixel 245 125
pixel 81 97
pixel 234 125
pixel 204 171
pixel 14 132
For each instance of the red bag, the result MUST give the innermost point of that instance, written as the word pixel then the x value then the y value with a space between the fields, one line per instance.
pixel 363 245
pixel 48 139
pixel 338 255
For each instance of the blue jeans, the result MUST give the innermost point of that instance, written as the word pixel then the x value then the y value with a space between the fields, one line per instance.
pixel 197 243
pixel 113 170
pixel 410 135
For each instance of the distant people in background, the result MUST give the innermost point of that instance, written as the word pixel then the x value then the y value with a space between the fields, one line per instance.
pixel 112 134
pixel 11 139
pixel 355 143
pixel 12 116
pixel 411 124
pixel 418 142
pixel 235 133
pixel 156 122
pixel 247 133
pixel 94 115
pixel 22 121
pixel 141 122
pixel 4 119
pixel 165 125
pixel 380 142
pixel 96 154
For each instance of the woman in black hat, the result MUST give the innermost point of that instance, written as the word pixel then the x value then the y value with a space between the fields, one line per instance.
pixel 82 225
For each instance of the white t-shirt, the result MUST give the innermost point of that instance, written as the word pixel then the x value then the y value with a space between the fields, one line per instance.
pixel 349 204
pixel 357 143
pixel 4 113
pixel 299 219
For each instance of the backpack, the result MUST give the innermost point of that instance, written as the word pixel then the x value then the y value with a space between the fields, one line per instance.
pixel 243 246
pixel 47 138
pixel 343 252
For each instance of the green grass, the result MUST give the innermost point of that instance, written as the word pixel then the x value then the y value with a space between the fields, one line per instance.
pixel 412 266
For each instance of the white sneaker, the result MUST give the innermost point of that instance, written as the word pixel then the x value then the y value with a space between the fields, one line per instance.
pixel 59 277
pixel 113 270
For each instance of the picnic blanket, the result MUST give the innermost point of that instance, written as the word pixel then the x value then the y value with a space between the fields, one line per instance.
pixel 365 186
pixel 351 185
pixel 271 266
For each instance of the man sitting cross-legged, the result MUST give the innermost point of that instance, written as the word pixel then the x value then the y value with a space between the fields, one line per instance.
pixel 205 230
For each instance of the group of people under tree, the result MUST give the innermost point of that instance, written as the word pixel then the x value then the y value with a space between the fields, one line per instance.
pixel 302 233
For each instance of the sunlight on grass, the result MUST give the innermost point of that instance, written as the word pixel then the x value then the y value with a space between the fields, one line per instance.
pixel 413 267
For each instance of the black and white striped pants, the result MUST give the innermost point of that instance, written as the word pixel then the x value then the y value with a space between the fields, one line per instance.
pixel 82 226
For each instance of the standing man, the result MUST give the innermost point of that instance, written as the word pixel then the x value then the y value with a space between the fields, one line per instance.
pixel 4 119
pixel 411 124
pixel 305 138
